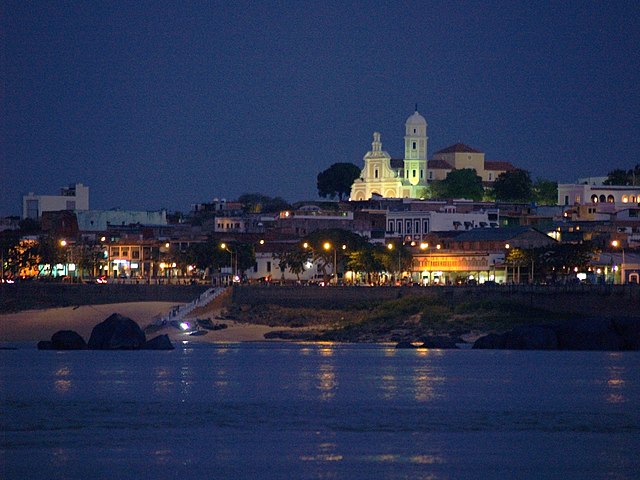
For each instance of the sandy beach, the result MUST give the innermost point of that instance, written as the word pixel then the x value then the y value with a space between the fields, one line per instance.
pixel 36 325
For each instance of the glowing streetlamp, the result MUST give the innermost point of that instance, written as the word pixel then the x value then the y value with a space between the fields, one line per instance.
pixel 327 246
pixel 616 244
pixel 224 246
pixel 390 246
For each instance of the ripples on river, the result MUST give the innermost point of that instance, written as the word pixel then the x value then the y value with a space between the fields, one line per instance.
pixel 319 411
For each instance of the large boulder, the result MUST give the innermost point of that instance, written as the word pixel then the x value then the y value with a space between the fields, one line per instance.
pixel 67 340
pixel 117 333
pixel 440 341
pixel 531 337
pixel 161 342
pixel 491 342
pixel 588 334
pixel 63 340
pixel 629 330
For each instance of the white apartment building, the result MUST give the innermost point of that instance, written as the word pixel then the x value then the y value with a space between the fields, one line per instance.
pixel 74 197
pixel 413 225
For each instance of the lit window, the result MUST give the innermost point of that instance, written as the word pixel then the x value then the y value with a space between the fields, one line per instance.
pixel 625 199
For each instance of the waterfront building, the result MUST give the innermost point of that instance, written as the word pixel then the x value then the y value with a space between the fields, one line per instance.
pixel 473 256
pixel 417 224
pixel 74 197
pixel 605 198
pixel 103 220
pixel 308 219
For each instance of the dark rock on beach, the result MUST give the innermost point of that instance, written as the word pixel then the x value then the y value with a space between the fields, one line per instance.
pixel 440 341
pixel 117 332
pixel 603 334
pixel 437 341
pixel 531 337
pixel 63 340
pixel 161 342
pixel 588 334
pixel 68 340
pixel 493 341
pixel 45 345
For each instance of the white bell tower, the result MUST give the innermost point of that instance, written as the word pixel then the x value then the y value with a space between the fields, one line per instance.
pixel 415 149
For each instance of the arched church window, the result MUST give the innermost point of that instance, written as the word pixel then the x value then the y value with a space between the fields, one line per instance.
pixel 375 173
pixel 610 199
pixel 603 199
pixel 414 174
pixel 625 199
pixel 594 198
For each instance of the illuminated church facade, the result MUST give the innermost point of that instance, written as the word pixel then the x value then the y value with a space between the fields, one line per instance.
pixel 406 178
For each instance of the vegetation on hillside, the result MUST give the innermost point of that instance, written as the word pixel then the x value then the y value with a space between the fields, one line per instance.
pixel 404 319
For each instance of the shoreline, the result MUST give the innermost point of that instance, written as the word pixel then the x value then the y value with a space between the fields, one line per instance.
pixel 34 325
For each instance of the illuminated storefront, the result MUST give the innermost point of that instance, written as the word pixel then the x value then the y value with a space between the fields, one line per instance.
pixel 455 268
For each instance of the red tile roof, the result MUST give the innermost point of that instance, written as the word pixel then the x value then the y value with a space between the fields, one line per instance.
pixel 501 166
pixel 458 148
pixel 439 164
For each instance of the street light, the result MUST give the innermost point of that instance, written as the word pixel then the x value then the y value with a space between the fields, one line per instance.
pixel 390 246
pixel 224 246
pixel 327 246
pixel 616 244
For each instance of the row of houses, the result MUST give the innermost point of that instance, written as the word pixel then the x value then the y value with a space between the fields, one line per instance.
pixel 449 240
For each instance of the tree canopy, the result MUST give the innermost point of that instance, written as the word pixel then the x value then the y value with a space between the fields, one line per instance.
pixel 514 186
pixel 259 203
pixel 623 177
pixel 336 180
pixel 464 183
pixel 545 192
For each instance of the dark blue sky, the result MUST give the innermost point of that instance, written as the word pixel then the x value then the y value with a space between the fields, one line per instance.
pixel 165 104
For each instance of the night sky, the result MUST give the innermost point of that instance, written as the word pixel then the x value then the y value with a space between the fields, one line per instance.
pixel 165 104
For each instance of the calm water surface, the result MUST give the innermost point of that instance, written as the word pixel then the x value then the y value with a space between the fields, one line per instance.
pixel 318 411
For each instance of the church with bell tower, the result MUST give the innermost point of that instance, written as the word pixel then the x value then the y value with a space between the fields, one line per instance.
pixel 393 178
pixel 406 178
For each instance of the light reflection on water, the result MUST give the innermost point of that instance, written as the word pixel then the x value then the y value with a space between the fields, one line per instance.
pixel 62 382
pixel 323 411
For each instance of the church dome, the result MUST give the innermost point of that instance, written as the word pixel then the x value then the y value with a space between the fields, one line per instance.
pixel 416 119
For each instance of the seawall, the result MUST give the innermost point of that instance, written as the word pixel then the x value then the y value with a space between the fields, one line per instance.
pixel 36 295
pixel 584 299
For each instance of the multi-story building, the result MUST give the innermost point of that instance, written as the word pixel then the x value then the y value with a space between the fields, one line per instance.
pixel 386 177
pixel 607 198
pixel 74 197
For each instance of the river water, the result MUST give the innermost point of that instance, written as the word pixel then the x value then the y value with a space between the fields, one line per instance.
pixel 318 411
